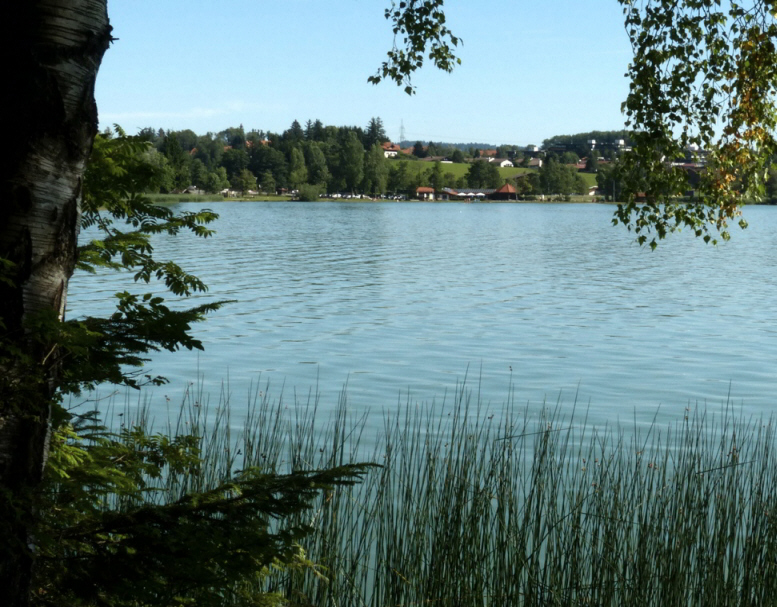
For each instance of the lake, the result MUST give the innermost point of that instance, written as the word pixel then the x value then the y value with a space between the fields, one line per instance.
pixel 527 303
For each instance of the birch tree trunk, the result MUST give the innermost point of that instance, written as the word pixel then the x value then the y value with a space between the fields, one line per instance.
pixel 52 50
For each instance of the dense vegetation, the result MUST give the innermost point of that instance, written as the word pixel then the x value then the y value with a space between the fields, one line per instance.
pixel 326 159
pixel 579 143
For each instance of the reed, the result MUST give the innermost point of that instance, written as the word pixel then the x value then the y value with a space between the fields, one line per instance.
pixel 533 508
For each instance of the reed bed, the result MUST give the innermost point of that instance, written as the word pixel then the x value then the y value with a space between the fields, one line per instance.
pixel 532 508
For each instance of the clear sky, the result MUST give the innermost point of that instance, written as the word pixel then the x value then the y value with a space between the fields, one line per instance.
pixel 530 69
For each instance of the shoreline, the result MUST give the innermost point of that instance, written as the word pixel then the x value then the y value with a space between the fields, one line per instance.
pixel 215 198
pixel 178 198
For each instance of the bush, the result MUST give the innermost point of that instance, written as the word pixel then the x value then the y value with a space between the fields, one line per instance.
pixel 309 192
pixel 174 513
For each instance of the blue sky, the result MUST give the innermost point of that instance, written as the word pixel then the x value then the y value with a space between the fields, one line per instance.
pixel 529 69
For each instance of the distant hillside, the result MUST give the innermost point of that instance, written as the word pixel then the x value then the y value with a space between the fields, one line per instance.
pixel 464 147
pixel 578 142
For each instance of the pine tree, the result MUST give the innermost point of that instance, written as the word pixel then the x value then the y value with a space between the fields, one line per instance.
pixel 375 133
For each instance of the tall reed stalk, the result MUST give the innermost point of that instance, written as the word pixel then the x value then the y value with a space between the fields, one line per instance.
pixel 533 508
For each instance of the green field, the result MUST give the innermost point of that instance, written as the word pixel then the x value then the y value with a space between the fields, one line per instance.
pixel 461 169
pixel 458 169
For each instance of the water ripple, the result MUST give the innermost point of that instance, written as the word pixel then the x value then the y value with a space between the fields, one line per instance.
pixel 407 296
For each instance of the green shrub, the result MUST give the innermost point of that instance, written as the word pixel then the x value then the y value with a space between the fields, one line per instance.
pixel 135 519
pixel 309 192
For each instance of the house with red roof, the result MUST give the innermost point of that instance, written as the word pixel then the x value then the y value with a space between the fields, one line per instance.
pixel 506 192
pixel 424 193
pixel 390 150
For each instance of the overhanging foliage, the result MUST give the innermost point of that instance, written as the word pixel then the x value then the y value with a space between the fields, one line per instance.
pixel 703 80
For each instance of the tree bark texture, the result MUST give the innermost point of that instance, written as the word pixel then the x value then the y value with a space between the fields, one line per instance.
pixel 51 50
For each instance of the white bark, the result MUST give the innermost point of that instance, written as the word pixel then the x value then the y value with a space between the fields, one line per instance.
pixel 53 49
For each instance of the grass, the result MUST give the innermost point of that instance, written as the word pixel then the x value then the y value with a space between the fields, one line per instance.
pixel 589 178
pixel 458 169
pixel 534 508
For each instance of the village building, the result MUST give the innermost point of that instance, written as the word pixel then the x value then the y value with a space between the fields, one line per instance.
pixel 506 192
pixel 535 163
pixel 464 193
pixel 424 193
pixel 390 150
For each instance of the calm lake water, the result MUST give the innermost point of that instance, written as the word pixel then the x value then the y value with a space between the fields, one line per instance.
pixel 528 302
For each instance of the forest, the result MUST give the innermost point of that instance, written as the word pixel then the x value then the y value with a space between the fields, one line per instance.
pixel 317 159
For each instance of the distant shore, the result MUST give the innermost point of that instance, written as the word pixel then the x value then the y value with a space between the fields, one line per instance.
pixel 176 198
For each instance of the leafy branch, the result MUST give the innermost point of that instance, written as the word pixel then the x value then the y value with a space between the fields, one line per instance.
pixel 703 77
pixel 420 24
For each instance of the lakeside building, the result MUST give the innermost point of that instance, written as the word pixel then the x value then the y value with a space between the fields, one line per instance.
pixel 425 193
pixel 506 192
pixel 446 194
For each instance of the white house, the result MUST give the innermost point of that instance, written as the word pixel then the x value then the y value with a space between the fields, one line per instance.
pixel 390 150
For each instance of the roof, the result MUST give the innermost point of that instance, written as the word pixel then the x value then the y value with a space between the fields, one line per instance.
pixel 425 190
pixel 475 191
pixel 506 189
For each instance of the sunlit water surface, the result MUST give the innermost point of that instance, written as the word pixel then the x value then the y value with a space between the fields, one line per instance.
pixel 527 303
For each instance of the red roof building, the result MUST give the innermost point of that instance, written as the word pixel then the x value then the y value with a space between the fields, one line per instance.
pixel 506 192
pixel 425 193
pixel 390 149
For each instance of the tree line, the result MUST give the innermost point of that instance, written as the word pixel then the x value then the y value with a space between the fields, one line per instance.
pixel 343 158
pixel 322 158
